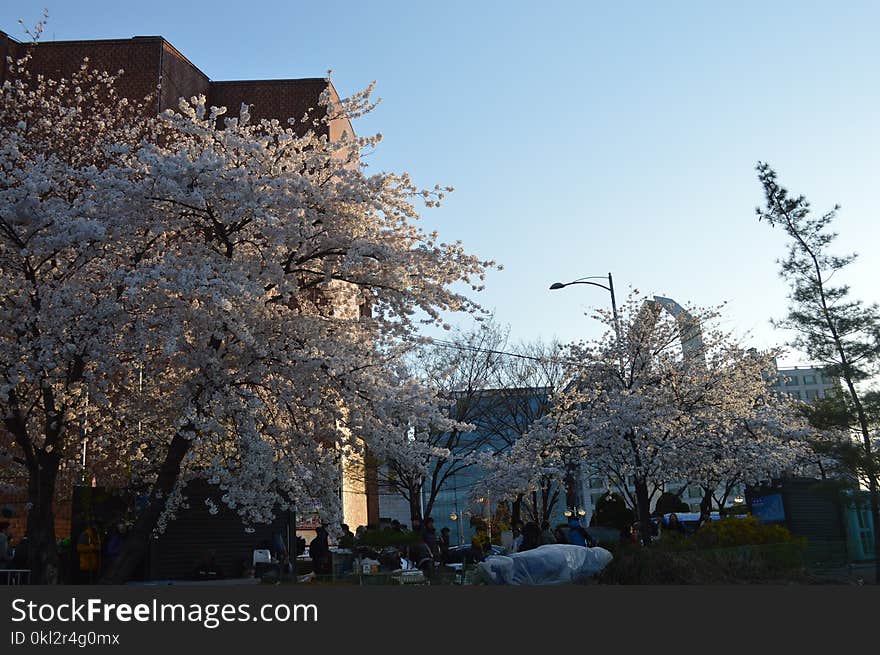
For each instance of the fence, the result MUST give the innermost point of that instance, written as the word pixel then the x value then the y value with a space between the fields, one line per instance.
pixel 15 576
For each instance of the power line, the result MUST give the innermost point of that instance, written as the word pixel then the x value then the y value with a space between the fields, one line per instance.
pixel 489 351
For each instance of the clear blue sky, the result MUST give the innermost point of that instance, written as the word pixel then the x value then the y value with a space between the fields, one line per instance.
pixel 581 138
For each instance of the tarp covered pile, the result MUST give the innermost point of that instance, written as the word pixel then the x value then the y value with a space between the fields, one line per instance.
pixel 545 565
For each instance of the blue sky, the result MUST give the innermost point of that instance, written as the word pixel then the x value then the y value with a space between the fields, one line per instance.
pixel 581 137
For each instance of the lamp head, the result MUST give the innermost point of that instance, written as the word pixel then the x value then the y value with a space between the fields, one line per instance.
pixel 556 285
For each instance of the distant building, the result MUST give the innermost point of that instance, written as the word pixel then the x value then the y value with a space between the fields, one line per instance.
pixel 806 383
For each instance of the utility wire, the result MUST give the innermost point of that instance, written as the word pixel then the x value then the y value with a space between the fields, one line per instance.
pixel 489 351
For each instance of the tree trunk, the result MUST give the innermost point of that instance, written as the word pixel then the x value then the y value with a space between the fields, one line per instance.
pixel 136 545
pixel 42 549
pixel 516 511
pixel 571 491
pixel 867 444
pixel 643 505
pixel 875 515
pixel 415 509
pixel 545 505
pixel 706 502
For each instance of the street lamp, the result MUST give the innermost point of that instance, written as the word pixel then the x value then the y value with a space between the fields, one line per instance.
pixel 610 289
pixel 576 512
pixel 618 341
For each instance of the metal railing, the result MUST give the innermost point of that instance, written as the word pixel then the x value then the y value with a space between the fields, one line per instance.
pixel 15 576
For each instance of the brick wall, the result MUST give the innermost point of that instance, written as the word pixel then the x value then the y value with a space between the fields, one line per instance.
pixel 150 60
pixel 180 78
pixel 280 99
pixel 139 58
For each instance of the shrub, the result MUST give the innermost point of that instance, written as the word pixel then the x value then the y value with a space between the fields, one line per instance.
pixel 767 563
pixel 612 512
pixel 670 502
pixel 723 552
pixel 730 532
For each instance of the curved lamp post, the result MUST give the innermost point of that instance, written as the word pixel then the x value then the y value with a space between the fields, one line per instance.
pixel 609 288
pixel 572 496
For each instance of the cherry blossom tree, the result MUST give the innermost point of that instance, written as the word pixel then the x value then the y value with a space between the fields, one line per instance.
pixel 665 403
pixel 773 440
pixel 460 374
pixel 530 474
pixel 65 240
pixel 490 391
pixel 214 297
pixel 285 285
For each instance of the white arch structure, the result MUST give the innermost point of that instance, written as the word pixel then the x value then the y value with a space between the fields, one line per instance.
pixel 689 330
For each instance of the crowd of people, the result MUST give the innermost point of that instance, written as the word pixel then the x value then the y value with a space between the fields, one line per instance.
pixel 530 535
pixel 428 549
pixel 660 526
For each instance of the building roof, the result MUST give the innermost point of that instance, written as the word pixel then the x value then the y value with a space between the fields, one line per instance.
pixel 154 67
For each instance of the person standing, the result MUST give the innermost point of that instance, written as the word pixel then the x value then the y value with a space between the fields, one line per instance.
pixel 88 547
pixel 675 525
pixel 114 544
pixel 423 556
pixel 443 544
pixel 657 528
pixel 347 538
pixel 636 532
pixel 474 554
pixel 517 536
pixel 319 551
pixel 578 535
pixel 429 534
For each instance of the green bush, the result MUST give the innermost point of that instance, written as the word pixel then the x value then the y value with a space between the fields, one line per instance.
pixel 767 563
pixel 730 532
pixel 670 502
pixel 612 512
pixel 729 551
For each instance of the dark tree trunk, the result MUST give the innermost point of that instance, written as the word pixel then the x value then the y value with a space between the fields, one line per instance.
pixel 875 515
pixel 643 507
pixel 545 505
pixel 42 549
pixel 516 511
pixel 572 497
pixel 706 502
pixel 136 545
pixel 415 509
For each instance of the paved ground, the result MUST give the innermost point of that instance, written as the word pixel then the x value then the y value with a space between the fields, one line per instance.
pixel 850 574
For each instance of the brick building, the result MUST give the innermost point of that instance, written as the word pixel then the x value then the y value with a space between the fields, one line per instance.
pixel 154 68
